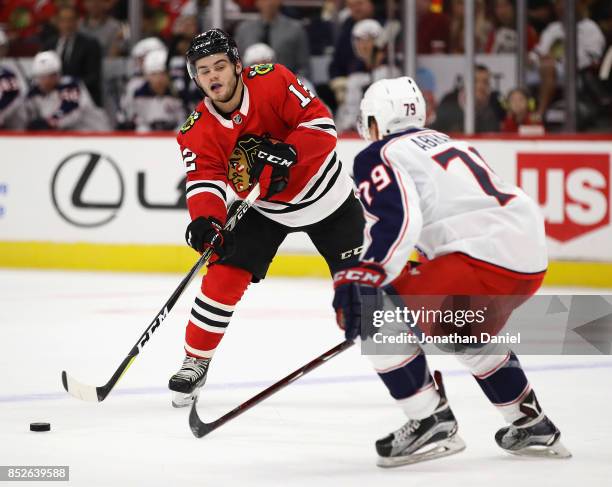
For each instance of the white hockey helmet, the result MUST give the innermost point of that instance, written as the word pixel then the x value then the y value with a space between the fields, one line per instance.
pixel 45 63
pixel 396 104
pixel 155 62
pixel 259 53
pixel 145 46
pixel 367 28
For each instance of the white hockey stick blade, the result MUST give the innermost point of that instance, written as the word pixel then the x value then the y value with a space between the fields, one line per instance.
pixel 556 450
pixel 439 449
pixel 78 389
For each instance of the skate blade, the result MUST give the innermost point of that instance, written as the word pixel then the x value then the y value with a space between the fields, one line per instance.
pixel 556 450
pixel 182 400
pixel 185 399
pixel 439 449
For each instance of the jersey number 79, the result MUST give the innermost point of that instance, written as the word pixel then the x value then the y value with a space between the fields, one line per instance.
pixel 480 173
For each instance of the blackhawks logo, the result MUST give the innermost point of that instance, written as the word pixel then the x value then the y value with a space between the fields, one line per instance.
pixel 260 69
pixel 241 161
pixel 190 122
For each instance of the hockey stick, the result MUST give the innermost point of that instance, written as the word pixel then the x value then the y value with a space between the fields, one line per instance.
pixel 98 394
pixel 200 428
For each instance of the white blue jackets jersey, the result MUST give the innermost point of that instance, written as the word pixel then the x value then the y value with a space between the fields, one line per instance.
pixel 69 106
pixel 156 112
pixel 422 189
pixel 126 102
pixel 12 95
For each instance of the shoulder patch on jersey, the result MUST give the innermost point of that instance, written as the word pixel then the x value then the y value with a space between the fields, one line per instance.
pixel 260 69
pixel 190 122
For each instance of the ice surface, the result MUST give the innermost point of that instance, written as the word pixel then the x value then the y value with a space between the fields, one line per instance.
pixel 318 431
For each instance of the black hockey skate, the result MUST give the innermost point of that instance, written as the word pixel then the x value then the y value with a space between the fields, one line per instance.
pixel 188 381
pixel 424 439
pixel 533 435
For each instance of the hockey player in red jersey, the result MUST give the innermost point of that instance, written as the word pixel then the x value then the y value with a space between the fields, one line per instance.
pixel 247 112
pixel 421 189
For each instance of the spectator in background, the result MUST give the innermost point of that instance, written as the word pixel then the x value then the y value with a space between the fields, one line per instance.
pixel 344 60
pixel 98 24
pixel 204 12
pixel 185 29
pixel 503 39
pixel 23 21
pixel 518 113
pixel 58 102
pixel 12 93
pixel 482 26
pixel 259 53
pixel 80 55
pixel 369 42
pixel 286 36
pixel 125 116
pixel 156 106
pixel 602 13
pixel 426 80
pixel 540 13
pixel 433 33
pixel 141 49
pixel 548 55
pixel 449 116
pixel 319 25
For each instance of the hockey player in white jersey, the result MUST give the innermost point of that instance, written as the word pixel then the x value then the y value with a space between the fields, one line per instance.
pixel 155 104
pixel 479 235
pixel 125 115
pixel 57 102
pixel 12 92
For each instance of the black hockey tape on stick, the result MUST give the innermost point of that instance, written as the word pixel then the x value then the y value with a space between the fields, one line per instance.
pixel 200 428
pixel 98 394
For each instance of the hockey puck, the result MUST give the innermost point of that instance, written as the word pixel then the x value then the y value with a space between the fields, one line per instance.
pixel 40 427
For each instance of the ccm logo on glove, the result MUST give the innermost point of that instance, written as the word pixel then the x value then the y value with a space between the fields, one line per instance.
pixel 361 275
pixel 275 160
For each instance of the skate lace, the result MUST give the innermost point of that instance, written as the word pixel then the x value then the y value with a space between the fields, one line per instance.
pixel 405 431
pixel 193 368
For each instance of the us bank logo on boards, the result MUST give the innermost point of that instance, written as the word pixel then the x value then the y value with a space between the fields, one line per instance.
pixel 87 189
pixel 573 191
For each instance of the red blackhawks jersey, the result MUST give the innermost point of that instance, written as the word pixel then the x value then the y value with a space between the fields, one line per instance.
pixel 217 150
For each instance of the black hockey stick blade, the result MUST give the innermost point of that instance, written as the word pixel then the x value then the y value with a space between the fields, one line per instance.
pixel 200 428
pixel 91 393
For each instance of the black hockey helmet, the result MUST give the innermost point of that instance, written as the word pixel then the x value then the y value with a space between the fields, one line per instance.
pixel 213 41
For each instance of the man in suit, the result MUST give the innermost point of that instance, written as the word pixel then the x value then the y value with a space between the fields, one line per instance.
pixel 80 54
pixel 286 36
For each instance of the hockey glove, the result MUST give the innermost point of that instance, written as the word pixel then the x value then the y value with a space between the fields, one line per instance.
pixel 351 285
pixel 203 233
pixel 271 166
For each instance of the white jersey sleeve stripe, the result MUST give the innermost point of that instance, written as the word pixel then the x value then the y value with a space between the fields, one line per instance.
pixel 323 124
pixel 198 187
